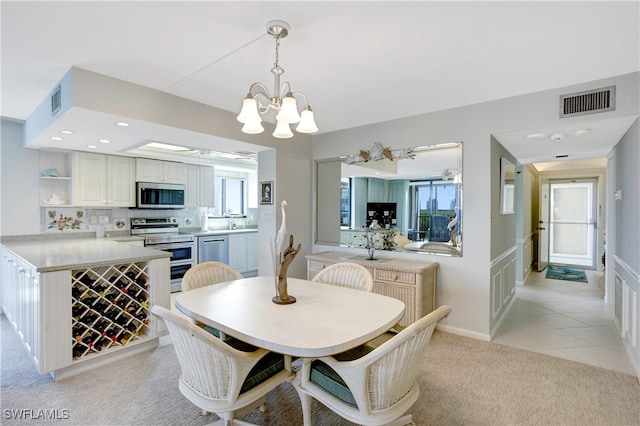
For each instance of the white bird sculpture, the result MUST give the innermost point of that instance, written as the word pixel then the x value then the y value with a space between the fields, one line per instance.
pixel 281 238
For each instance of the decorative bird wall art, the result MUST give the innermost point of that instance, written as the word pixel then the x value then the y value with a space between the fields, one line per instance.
pixel 379 152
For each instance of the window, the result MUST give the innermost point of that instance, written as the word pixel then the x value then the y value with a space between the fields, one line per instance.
pixel 345 202
pixel 433 205
pixel 230 194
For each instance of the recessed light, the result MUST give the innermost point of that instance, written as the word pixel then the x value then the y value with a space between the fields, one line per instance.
pixel 536 136
pixel 581 132
pixel 122 124
pixel 104 141
pixel 92 146
pixel 56 138
pixel 66 132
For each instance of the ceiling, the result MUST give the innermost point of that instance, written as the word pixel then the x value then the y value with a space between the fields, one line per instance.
pixel 357 62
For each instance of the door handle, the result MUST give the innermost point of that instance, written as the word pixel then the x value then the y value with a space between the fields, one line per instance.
pixel 540 229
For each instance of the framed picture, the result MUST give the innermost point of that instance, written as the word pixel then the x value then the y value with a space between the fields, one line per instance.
pixel 266 192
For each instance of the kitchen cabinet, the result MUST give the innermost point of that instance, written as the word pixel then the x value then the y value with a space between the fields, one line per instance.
pixel 199 186
pixel 159 171
pixel 74 316
pixel 103 180
pixel 55 177
pixel 411 282
pixel 243 253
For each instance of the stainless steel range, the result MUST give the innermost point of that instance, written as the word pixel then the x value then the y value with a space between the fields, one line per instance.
pixel 163 234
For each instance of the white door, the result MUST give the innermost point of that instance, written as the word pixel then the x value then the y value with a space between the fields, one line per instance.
pixel 543 225
pixel 572 222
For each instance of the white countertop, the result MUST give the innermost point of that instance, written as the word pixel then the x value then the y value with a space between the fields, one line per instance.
pixel 224 231
pixel 48 255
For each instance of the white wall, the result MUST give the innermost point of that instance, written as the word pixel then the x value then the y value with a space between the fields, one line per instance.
pixel 19 171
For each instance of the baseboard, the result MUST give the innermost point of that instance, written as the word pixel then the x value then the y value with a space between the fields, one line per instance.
pixel 464 332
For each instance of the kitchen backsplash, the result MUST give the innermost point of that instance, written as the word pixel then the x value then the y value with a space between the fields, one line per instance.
pixel 69 219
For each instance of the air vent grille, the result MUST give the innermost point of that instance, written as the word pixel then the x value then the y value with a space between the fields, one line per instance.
pixel 590 102
pixel 56 100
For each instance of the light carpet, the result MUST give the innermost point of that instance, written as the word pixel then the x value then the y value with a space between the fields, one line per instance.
pixel 463 381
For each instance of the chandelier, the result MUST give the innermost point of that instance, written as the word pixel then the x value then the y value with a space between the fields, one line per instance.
pixel 259 101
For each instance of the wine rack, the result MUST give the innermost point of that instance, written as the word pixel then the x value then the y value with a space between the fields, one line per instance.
pixel 109 307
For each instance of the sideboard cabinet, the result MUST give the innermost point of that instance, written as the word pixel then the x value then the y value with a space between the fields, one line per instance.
pixel 409 281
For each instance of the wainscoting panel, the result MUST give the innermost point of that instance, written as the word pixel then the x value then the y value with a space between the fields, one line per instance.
pixel 496 293
pixel 627 308
pixel 524 257
pixel 503 286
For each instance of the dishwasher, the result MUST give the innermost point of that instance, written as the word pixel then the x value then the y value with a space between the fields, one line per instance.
pixel 213 248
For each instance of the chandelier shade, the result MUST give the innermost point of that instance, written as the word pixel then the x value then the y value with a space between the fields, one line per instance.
pixel 253 128
pixel 259 101
pixel 283 131
pixel 249 112
pixel 307 123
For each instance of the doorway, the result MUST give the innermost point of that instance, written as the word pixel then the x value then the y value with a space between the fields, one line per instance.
pixel 569 220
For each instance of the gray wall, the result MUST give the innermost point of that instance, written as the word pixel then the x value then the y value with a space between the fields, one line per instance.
pixel 19 174
pixel 503 226
pixel 627 210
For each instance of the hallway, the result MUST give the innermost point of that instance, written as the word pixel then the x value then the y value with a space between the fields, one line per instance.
pixel 567 320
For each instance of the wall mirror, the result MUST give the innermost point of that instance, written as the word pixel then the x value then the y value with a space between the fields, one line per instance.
pixel 410 204
pixel 507 186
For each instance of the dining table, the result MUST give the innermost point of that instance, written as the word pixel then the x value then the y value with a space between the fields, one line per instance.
pixel 324 320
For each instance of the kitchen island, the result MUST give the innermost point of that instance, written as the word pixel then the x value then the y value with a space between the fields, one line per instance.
pixel 78 303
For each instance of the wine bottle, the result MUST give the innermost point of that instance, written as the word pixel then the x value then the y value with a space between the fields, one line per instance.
pixel 77 311
pixel 78 351
pixel 75 292
pixel 88 340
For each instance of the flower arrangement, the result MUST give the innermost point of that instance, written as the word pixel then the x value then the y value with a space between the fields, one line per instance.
pixel 372 238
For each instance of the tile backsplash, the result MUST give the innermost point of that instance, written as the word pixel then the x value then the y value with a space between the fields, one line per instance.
pixel 70 219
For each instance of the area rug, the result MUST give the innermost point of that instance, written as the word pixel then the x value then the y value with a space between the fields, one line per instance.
pixel 567 274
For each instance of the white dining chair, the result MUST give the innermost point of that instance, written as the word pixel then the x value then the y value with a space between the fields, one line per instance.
pixel 217 377
pixel 346 274
pixel 366 385
pixel 208 273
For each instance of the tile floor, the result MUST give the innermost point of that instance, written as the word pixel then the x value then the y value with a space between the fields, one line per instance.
pixel 567 320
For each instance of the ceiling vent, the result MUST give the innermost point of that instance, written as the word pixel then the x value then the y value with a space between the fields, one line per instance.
pixel 56 100
pixel 589 102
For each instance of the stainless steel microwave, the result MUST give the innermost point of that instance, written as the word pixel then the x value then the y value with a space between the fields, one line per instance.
pixel 150 195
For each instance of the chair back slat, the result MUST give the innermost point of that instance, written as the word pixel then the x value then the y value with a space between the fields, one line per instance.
pixel 393 375
pixel 204 369
pixel 208 273
pixel 346 274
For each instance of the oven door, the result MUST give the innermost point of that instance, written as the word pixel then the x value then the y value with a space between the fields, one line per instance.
pixel 178 269
pixel 180 252
pixel 182 258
